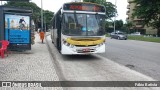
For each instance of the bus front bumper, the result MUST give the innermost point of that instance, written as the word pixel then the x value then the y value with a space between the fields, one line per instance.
pixel 66 50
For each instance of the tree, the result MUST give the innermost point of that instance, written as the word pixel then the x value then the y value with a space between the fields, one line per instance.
pixel 36 11
pixel 118 24
pixel 109 27
pixel 128 26
pixel 149 11
pixel 48 15
pixel 110 8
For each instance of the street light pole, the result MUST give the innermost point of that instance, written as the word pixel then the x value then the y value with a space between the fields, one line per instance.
pixel 44 14
pixel 115 17
pixel 41 15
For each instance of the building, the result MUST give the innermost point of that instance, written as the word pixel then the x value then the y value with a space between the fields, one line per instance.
pixel 137 22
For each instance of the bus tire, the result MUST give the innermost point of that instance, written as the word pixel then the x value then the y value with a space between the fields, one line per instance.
pixel 58 44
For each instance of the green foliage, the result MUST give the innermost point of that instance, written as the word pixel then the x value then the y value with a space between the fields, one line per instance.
pixel 142 38
pixel 110 8
pixel 149 10
pixel 128 25
pixel 107 35
pixel 47 17
pixel 107 24
pixel 118 24
pixel 36 11
pixel 109 27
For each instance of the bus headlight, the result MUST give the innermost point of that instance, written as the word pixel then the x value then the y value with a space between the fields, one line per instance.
pixel 71 46
pixel 100 44
pixel 64 41
pixel 67 44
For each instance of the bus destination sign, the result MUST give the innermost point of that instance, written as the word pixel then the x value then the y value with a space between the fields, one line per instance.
pixel 84 7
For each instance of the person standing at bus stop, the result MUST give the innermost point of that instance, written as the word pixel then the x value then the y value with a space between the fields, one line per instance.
pixel 41 35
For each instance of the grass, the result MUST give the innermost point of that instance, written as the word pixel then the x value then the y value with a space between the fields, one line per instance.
pixel 142 38
pixel 107 35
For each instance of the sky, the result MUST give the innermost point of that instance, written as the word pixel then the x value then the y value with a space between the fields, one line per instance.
pixel 51 5
pixel 121 8
pixel 54 5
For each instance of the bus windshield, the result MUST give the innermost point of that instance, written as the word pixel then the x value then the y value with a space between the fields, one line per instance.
pixel 83 24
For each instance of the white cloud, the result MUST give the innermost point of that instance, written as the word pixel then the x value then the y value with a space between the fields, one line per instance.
pixel 121 8
pixel 51 5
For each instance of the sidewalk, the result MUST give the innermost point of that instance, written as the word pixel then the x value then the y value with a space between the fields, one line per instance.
pixel 33 65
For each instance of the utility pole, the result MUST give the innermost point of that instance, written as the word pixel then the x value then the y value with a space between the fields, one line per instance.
pixel 115 17
pixel 44 14
pixel 41 15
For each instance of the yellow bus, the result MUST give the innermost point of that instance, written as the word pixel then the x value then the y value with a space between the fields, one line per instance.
pixel 79 28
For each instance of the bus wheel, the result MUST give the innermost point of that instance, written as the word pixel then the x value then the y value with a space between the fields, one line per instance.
pixel 57 44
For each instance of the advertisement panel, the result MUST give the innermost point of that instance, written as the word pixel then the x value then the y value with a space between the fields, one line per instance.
pixel 17 30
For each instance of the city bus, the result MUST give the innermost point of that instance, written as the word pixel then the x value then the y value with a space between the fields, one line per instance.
pixel 79 28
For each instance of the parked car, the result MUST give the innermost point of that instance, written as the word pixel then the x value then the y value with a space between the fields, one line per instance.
pixel 118 35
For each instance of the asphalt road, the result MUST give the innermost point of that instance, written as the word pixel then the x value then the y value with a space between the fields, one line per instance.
pixel 141 56
pixel 94 68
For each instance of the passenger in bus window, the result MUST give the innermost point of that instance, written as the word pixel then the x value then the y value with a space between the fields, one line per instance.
pixel 81 20
pixel 84 29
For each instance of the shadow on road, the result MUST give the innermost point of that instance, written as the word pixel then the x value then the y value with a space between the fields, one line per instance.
pixel 80 58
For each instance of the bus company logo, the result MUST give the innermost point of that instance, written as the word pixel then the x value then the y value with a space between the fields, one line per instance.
pixel 6 84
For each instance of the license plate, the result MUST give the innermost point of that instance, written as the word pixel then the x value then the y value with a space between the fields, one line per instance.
pixel 86 50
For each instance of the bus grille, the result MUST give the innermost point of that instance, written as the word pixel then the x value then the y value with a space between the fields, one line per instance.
pixel 85 51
